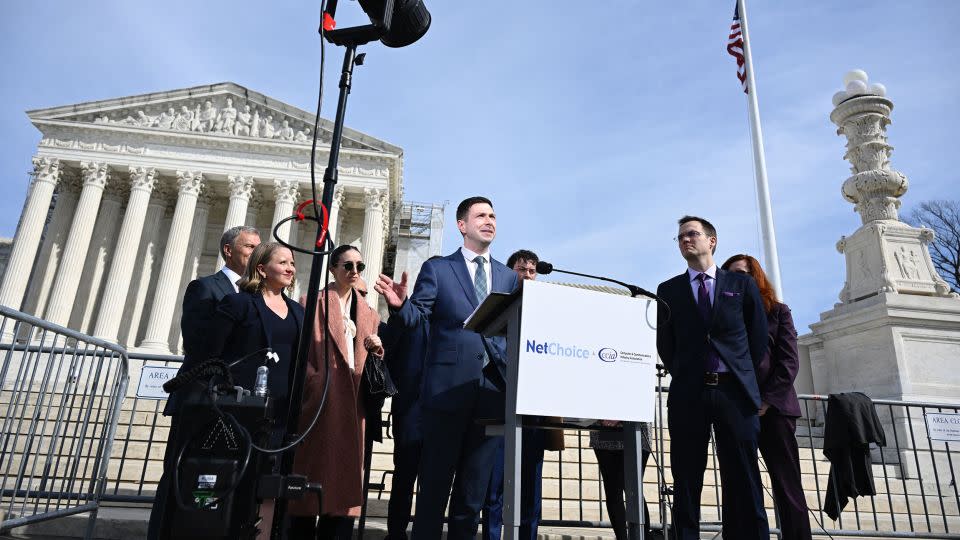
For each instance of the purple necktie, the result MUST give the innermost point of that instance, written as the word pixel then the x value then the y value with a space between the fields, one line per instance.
pixel 706 313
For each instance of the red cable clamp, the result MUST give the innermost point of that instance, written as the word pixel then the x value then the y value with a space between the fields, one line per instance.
pixel 328 22
pixel 324 225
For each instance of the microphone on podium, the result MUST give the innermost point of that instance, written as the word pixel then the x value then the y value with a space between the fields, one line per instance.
pixel 543 267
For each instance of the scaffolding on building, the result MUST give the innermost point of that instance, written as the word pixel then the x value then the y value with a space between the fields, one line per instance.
pixel 417 228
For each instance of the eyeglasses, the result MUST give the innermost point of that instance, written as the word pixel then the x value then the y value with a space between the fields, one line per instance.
pixel 362 293
pixel 692 235
pixel 348 266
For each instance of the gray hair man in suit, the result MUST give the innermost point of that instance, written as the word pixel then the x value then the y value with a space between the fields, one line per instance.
pixel 199 305
pixel 203 294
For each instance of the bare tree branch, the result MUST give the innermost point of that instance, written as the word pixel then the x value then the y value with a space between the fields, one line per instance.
pixel 943 217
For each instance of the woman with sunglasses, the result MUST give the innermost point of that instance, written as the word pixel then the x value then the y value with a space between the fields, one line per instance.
pixel 332 452
pixel 780 408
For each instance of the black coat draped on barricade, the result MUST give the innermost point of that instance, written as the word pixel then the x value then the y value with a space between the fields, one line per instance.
pixel 851 425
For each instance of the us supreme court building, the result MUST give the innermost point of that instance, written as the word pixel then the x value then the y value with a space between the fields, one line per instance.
pixel 129 197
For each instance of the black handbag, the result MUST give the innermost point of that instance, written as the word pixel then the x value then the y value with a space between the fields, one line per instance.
pixel 377 377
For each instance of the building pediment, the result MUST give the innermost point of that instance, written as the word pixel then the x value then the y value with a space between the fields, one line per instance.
pixel 225 110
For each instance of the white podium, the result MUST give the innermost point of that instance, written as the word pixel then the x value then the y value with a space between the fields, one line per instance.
pixel 573 353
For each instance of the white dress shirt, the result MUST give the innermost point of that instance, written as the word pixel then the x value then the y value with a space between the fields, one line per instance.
pixel 232 276
pixel 472 266
pixel 349 329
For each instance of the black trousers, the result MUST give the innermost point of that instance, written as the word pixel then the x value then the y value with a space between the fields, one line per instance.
pixel 455 463
pixel 157 527
pixel 736 428
pixel 406 461
pixel 613 474
pixel 325 528
pixel 778 445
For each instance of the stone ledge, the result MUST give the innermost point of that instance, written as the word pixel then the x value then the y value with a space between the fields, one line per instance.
pixel 117 523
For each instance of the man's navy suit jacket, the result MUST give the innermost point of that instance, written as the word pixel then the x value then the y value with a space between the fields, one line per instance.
pixel 405 354
pixel 738 332
pixel 200 302
pixel 444 297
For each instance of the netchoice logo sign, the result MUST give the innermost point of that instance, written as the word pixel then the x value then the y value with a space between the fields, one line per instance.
pixel 557 349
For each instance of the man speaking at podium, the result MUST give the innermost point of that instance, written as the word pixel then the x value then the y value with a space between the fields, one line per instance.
pixel 461 372
pixel 711 340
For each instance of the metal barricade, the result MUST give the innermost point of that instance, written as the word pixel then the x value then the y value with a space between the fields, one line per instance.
pixel 60 397
pixel 915 477
pixel 142 434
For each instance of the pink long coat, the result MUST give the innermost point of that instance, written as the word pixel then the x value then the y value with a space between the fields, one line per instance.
pixel 332 453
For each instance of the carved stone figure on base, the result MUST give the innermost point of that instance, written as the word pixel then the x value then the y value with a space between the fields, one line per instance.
pixel 242 127
pixel 266 128
pixel 183 120
pixel 143 120
pixel 208 117
pixel 195 122
pixel 227 118
pixel 302 136
pixel 255 124
pixel 286 132
pixel 907 263
pixel 165 120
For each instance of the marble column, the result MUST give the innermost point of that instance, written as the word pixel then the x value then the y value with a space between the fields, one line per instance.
pixel 191 267
pixel 253 208
pixel 286 192
pixel 335 222
pixel 157 335
pixel 46 173
pixel 147 254
pixel 299 235
pixel 66 283
pixel 99 257
pixel 372 241
pixel 241 188
pixel 339 194
pixel 121 271
pixel 52 248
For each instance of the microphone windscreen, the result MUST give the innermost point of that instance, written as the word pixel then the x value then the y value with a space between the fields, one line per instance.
pixel 543 267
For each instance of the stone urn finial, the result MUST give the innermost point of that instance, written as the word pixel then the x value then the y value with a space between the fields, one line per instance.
pixel 862 113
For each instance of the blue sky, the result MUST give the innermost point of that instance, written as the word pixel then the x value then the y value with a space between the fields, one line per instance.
pixel 592 131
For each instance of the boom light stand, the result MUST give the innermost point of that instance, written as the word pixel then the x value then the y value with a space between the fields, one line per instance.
pixel 396 24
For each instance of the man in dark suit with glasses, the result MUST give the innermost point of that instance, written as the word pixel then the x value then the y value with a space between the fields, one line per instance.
pixel 711 340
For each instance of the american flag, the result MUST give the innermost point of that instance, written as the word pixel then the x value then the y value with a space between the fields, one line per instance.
pixel 735 48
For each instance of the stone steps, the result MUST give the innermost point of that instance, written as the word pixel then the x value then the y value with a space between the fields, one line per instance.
pixel 577 482
pixel 572 490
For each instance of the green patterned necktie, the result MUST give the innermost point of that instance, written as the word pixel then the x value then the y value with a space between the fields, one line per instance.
pixel 480 279
pixel 480 285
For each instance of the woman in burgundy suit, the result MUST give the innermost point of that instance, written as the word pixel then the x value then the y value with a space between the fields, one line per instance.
pixel 780 408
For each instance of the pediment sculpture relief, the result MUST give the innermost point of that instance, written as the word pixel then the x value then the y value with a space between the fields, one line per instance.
pixel 218 116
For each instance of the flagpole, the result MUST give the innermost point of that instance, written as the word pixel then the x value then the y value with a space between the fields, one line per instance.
pixel 771 260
